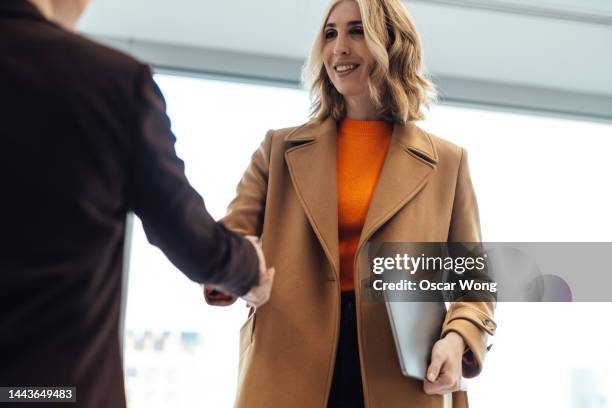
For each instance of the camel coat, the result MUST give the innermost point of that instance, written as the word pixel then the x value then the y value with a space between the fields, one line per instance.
pixel 287 196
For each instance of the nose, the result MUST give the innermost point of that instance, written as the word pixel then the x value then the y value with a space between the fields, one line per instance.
pixel 341 47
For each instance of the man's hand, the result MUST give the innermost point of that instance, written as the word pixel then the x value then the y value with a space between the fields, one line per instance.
pixel 260 294
pixel 444 372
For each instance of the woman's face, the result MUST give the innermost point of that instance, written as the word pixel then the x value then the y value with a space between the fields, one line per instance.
pixel 346 57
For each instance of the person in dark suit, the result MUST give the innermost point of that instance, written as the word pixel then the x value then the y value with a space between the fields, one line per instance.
pixel 85 139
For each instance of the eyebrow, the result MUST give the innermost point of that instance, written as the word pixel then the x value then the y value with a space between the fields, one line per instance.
pixel 350 23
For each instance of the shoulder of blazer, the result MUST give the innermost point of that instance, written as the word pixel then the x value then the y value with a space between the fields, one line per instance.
pixel 283 134
pixel 285 138
pixel 447 151
pixel 308 131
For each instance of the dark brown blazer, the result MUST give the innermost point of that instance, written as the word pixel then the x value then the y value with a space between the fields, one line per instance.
pixel 84 139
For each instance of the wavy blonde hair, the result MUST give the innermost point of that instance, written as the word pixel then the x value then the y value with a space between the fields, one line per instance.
pixel 397 83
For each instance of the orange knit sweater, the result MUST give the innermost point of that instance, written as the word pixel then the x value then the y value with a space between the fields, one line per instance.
pixel 360 153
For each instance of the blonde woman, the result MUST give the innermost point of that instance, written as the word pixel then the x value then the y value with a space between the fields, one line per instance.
pixel 360 171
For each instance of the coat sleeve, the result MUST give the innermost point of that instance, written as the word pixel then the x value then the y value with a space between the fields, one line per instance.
pixel 472 320
pixel 172 212
pixel 245 213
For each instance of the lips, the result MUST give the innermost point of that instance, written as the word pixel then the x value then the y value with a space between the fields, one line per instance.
pixel 345 68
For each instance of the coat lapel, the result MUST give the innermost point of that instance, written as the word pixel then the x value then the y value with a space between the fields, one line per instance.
pixel 410 160
pixel 312 167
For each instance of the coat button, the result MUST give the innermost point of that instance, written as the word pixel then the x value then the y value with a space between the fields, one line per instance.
pixel 487 322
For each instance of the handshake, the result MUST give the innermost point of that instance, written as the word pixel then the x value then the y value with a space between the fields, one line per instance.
pixel 258 295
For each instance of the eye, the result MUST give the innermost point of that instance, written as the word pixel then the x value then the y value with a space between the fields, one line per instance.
pixel 329 34
pixel 357 31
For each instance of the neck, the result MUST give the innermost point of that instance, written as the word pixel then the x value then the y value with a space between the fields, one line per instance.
pixel 361 108
pixel 44 7
pixel 63 12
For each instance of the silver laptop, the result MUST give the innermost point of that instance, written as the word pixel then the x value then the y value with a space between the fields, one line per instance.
pixel 416 327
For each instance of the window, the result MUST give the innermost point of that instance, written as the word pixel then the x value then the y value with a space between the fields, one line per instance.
pixel 537 179
pixel 180 352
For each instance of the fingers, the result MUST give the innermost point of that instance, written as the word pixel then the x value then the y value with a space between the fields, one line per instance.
pixel 267 286
pixel 434 368
pixel 269 275
pixel 260 255
pixel 444 371
pixel 251 299
pixel 443 385
pixel 260 294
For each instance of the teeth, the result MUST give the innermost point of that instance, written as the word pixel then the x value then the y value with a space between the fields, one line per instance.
pixel 344 68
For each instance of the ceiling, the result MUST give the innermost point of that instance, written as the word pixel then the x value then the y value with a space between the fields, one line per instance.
pixel 560 45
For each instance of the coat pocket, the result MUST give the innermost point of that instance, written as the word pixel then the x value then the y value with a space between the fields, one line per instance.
pixel 246 331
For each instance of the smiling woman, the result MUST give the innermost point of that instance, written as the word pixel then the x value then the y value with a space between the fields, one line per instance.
pixel 368 68
pixel 360 171
pixel 348 61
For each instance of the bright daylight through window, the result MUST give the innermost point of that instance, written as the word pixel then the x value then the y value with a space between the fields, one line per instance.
pixel 179 352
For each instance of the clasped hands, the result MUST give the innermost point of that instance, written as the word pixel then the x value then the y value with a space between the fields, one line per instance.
pixel 444 371
pixel 260 294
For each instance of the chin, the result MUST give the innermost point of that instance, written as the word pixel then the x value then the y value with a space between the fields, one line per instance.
pixel 350 92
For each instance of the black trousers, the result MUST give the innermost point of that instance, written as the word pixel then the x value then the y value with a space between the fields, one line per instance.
pixel 347 390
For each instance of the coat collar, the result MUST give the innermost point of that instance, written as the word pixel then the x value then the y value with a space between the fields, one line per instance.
pixel 411 158
pixel 408 135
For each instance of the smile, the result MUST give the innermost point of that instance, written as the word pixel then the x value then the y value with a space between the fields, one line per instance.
pixel 345 68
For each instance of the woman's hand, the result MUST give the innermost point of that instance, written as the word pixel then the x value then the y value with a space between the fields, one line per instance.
pixel 259 294
pixel 444 372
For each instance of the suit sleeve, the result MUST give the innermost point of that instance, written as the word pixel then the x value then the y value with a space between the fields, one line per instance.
pixel 172 212
pixel 245 213
pixel 473 320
